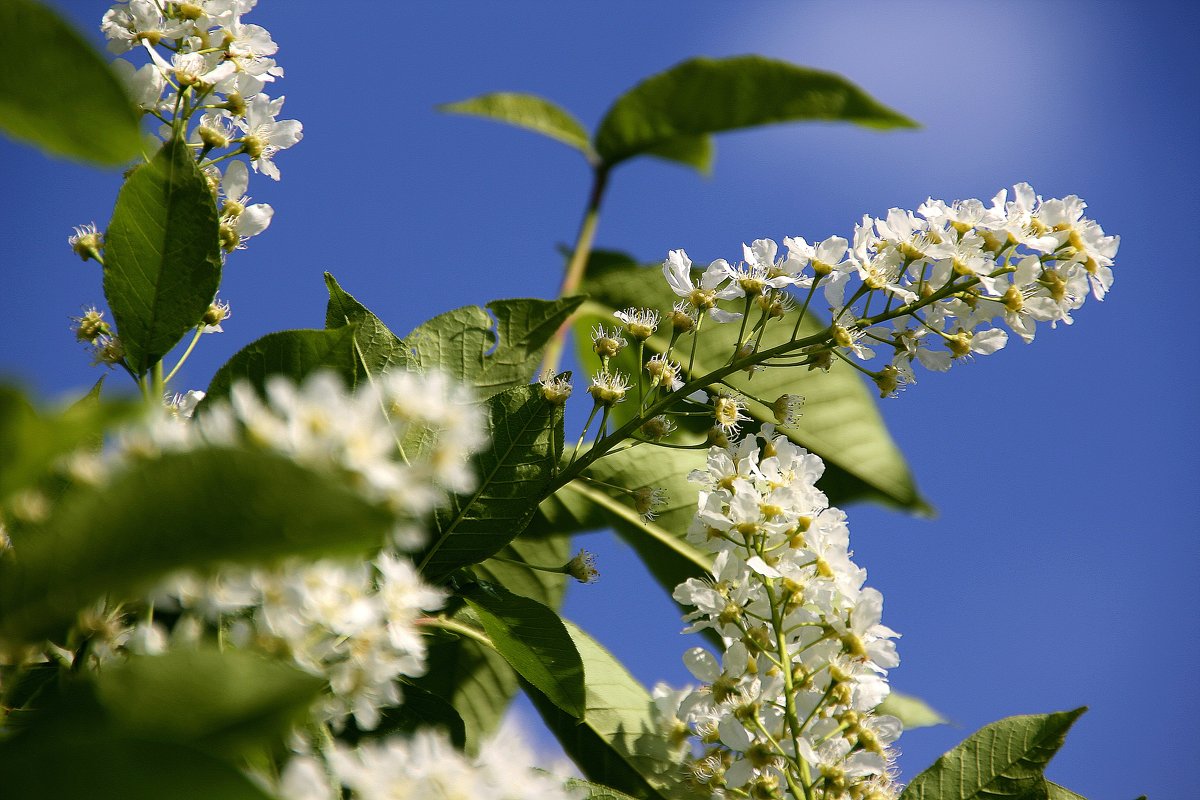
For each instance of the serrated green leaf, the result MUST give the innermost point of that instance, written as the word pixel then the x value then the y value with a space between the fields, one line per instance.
pixel 419 709
pixel 162 255
pixel 32 441
pixel 473 678
pixel 1000 761
pixel 492 356
pixel 840 421
pixel 535 643
pixel 526 440
pixel 293 354
pixel 617 743
pixel 57 92
pixel 913 712
pixel 1056 792
pixel 704 95
pixel 595 791
pixel 225 703
pixel 174 512
pixel 375 345
pixel 527 111
pixel 697 152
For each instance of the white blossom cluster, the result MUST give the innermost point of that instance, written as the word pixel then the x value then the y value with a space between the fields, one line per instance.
pixel 423 766
pixel 948 275
pixel 789 704
pixel 352 623
pixel 216 69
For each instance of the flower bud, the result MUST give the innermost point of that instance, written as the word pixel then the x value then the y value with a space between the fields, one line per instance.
pixel 87 241
pixel 681 320
pixel 556 388
pixel 786 409
pixel 657 427
pixel 90 326
pixel 582 567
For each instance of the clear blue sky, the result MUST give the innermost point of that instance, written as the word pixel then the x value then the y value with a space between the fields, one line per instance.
pixel 1062 568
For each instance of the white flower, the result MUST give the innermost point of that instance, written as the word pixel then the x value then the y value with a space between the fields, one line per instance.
pixel 702 296
pixel 264 136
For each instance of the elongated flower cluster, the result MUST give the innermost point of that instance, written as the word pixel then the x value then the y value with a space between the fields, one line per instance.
pixel 208 65
pixel 946 277
pixel 788 707
pixel 423 766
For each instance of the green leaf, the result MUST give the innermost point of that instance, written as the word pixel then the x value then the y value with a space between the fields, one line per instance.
pixel 697 152
pixel 57 92
pixel 225 703
pixel 617 744
pixel 1056 792
pixel 194 510
pixel 548 550
pixel 703 96
pixel 492 356
pixel 1001 760
pixel 376 346
pixel 32 441
pixel 79 764
pixel 473 678
pixel 526 111
pixel 526 440
pixel 420 709
pixel 162 255
pixel 913 712
pixel 293 354
pixel 840 421
pixel 534 641
pixel 595 791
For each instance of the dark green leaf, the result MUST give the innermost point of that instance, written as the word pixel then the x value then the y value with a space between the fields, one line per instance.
pixel 840 421
pixel 1001 760
pixel 533 640
pixel 420 709
pixel 80 764
pixel 293 354
pixel 57 92
pixel 618 743
pixel 913 712
pixel 377 347
pixel 492 356
pixel 526 111
pixel 225 703
pixel 162 255
pixel 32 441
pixel 193 510
pixel 526 438
pixel 704 95
pixel 474 678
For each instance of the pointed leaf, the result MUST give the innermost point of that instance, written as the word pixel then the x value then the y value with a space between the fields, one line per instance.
pixel 913 712
pixel 698 152
pixel 595 791
pixel 57 92
pixel 194 510
pixel 375 345
pixel 225 703
pixel 293 354
pixel 527 111
pixel 526 439
pixel 420 709
pixel 840 421
pixel 492 356
pixel 533 640
pixel 162 256
pixel 1001 760
pixel 473 678
pixel 704 95
pixel 1056 792
pixel 617 743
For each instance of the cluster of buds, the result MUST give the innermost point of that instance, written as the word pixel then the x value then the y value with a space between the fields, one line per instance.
pixel 789 706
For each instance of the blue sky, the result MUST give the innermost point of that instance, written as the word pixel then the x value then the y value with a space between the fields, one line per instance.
pixel 1061 569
